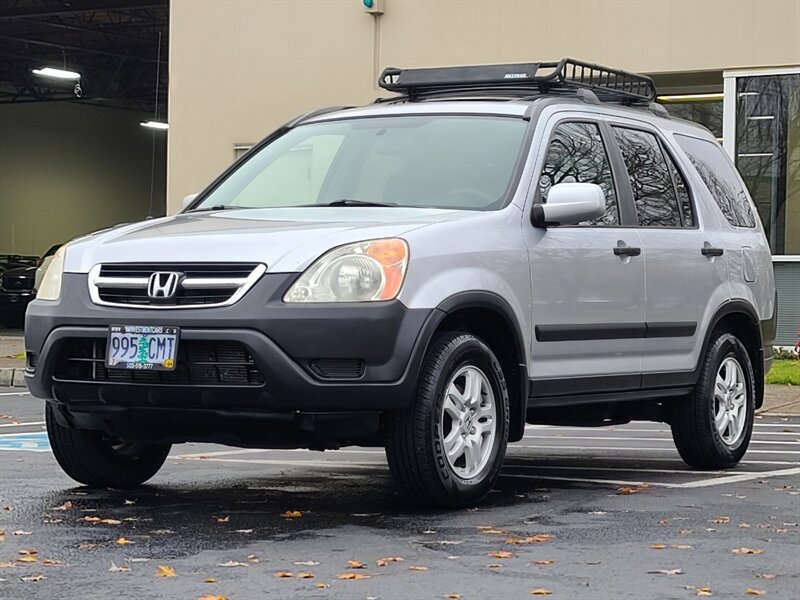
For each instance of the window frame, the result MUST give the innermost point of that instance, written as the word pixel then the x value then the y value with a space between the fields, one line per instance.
pixel 624 194
pixel 668 154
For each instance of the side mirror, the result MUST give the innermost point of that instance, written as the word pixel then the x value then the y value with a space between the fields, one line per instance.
pixel 570 203
pixel 188 200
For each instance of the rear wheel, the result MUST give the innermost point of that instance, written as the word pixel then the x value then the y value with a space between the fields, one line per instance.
pixel 712 428
pixel 447 449
pixel 92 459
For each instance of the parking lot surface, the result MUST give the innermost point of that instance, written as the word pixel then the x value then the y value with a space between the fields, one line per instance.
pixel 578 513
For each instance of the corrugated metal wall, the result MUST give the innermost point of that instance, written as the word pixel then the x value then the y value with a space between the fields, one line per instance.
pixel 787 282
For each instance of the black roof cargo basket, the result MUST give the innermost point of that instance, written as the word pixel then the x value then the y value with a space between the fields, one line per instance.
pixel 521 80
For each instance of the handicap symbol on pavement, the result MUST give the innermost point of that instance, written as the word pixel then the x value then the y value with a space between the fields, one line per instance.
pixel 32 442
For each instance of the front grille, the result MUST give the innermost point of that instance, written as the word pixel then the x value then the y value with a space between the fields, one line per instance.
pixel 199 284
pixel 198 363
pixel 15 283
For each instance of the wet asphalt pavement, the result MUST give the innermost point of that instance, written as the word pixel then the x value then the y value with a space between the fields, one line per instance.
pixel 582 513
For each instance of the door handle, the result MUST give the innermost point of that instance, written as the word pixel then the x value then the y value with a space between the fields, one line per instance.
pixel 623 250
pixel 709 250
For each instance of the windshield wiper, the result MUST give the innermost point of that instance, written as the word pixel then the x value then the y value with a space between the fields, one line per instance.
pixel 217 207
pixel 349 202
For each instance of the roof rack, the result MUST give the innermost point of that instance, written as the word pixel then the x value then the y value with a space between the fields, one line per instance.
pixel 521 80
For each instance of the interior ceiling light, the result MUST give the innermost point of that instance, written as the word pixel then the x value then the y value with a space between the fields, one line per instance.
pixel 690 97
pixel 154 124
pixel 56 73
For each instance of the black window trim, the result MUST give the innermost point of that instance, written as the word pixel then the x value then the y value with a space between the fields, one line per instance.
pixel 668 155
pixel 624 195
pixel 751 203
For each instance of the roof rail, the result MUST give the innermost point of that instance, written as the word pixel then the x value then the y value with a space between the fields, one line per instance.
pixel 521 80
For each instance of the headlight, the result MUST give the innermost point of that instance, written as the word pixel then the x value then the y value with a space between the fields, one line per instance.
pixel 50 289
pixel 361 272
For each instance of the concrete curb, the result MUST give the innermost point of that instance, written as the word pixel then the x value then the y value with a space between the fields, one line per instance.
pixel 12 377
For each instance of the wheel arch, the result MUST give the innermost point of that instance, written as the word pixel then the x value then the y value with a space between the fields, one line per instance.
pixel 490 317
pixel 741 319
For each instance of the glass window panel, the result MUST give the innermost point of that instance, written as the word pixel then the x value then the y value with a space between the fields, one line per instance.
pixel 653 191
pixel 577 155
pixel 684 200
pixel 768 154
pixel 720 178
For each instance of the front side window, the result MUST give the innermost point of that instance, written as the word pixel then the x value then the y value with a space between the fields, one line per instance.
pixel 654 193
pixel 439 161
pixel 576 154
pixel 717 173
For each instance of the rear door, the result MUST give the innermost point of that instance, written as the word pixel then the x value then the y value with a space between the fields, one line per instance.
pixel 587 280
pixel 685 264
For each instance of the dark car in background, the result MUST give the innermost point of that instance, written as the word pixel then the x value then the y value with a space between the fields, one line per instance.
pixel 19 277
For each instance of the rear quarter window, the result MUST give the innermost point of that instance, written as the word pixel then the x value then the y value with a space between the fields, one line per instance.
pixel 720 178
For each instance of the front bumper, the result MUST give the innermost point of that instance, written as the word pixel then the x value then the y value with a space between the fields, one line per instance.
pixel 285 342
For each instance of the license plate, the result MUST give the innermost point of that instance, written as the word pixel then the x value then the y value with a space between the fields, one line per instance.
pixel 142 347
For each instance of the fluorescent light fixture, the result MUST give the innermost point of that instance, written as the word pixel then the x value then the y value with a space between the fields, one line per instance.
pixel 690 97
pixel 56 73
pixel 154 124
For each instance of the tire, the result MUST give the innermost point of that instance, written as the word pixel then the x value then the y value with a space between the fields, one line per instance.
pixel 703 441
pixel 417 439
pixel 91 459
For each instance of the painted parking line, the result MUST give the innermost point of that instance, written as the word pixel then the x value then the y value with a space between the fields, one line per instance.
pixel 639 449
pixel 22 424
pixel 15 393
pixel 639 439
pixel 29 442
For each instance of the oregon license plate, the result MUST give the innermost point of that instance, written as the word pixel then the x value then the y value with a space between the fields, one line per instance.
pixel 142 347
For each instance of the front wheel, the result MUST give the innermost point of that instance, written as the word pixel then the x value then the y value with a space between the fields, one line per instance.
pixel 712 428
pixel 448 447
pixel 92 459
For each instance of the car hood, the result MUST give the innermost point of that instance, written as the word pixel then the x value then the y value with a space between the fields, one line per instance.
pixel 285 239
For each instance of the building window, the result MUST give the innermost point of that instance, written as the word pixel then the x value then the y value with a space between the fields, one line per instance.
pixel 705 109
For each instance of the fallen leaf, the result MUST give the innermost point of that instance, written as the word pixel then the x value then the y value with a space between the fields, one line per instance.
pixel 766 575
pixel 28 552
pixel 124 541
pixel 283 575
pixel 292 514
pixel 352 576
pixel 109 521
pixel 704 591
pixel 165 571
pixel 20 532
pixel 541 592
pixel 28 559
pixel 493 566
pixel 307 563
pixel 355 564
pixel 115 569
pixel 744 525
pixel 66 506
pixel 724 520
pixel 747 550
pixel 50 562
pixel 454 596
pixel 533 539
pixel 418 568
pixel 222 519
pixel 305 575
pixel 128 502
pixel 390 559
pixel 212 597
pixel 625 490
pixel 664 522
pixel 494 531
pixel 667 572
pixel 209 580
pixel 2 536
pixel 657 546
pixel 754 592
pixel 321 585
pixel 33 578
pixel 501 554
pixel 543 562
pixel 232 563
pixel 6 565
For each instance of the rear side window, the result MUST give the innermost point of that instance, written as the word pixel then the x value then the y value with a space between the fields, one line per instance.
pixel 654 193
pixel 576 154
pixel 720 178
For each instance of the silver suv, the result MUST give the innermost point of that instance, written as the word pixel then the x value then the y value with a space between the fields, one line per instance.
pixel 492 246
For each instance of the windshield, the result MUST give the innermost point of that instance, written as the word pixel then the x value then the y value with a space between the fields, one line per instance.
pixel 462 162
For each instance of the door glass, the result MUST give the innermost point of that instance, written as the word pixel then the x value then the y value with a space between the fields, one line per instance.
pixel 576 154
pixel 653 191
